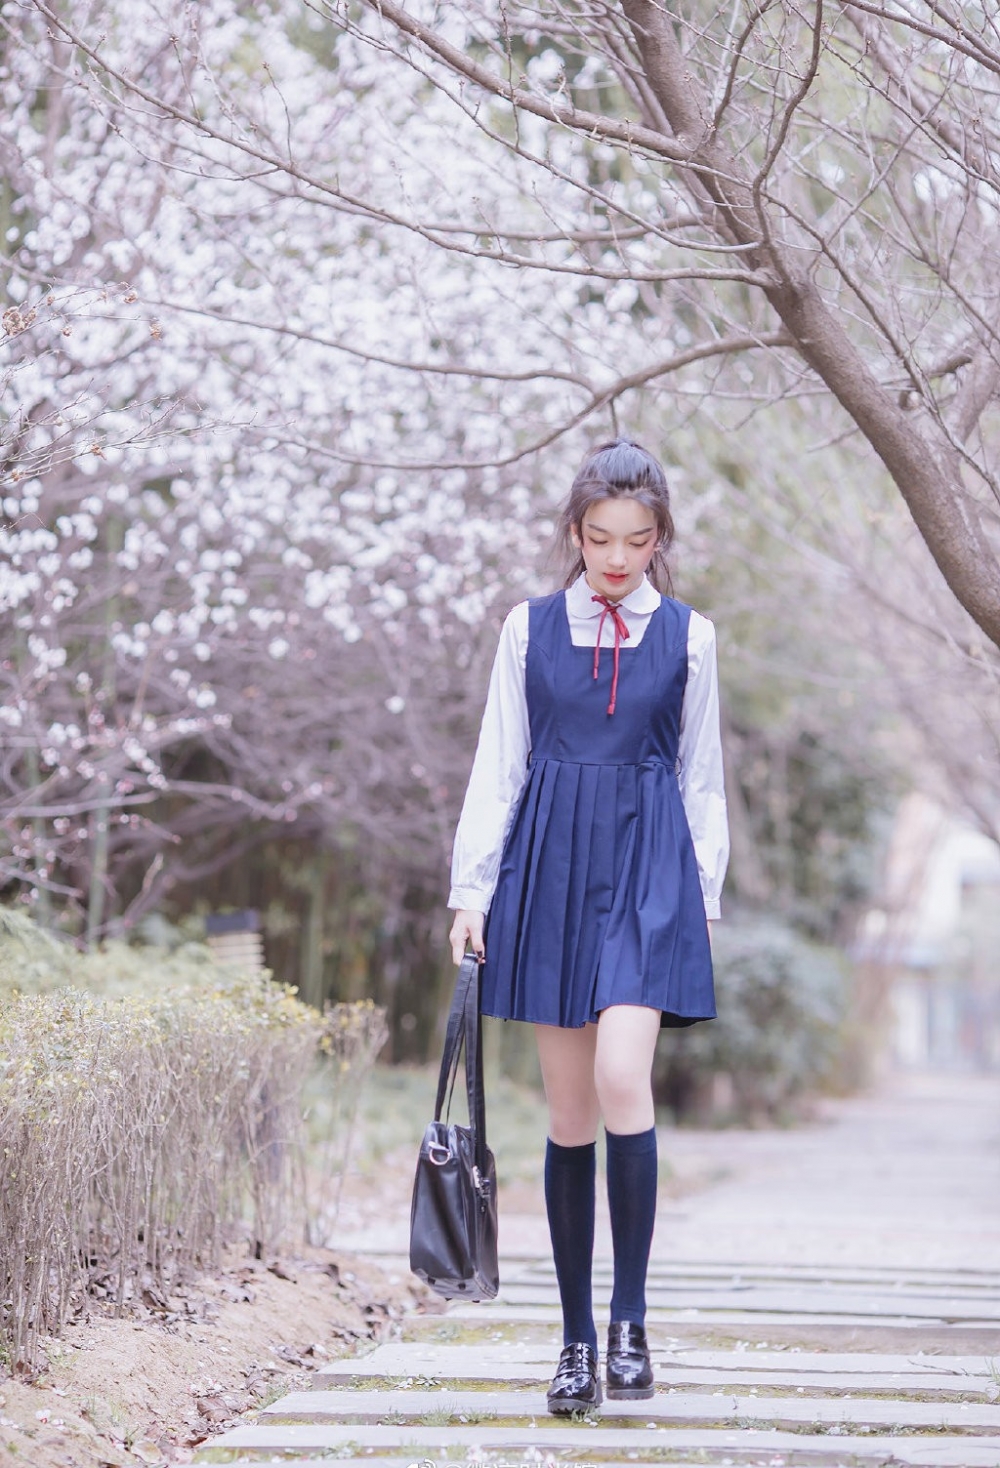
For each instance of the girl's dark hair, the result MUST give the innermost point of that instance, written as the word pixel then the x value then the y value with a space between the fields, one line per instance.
pixel 620 470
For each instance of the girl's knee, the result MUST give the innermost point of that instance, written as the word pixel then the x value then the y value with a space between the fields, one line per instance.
pixel 619 1085
pixel 573 1121
pixel 572 1132
pixel 625 1095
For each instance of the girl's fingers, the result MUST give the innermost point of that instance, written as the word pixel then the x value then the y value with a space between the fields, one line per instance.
pixel 467 931
pixel 459 937
pixel 475 928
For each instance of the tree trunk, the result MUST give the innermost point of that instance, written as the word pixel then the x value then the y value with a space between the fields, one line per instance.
pixel 927 473
pixel 311 987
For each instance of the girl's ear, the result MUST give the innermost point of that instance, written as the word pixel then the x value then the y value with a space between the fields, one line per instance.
pixel 574 536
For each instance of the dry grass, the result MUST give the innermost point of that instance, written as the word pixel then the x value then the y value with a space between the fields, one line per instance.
pixel 136 1132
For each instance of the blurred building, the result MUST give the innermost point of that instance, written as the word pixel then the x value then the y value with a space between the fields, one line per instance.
pixel 931 950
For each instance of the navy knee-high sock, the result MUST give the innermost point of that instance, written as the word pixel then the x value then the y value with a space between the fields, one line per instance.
pixel 570 1183
pixel 631 1165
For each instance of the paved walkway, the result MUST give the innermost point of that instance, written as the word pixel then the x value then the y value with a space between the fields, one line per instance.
pixel 823 1296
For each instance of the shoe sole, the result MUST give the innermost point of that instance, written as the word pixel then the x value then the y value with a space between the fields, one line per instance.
pixel 566 1406
pixel 630 1394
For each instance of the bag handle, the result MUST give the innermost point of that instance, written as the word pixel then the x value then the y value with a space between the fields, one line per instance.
pixel 465 1032
pixel 474 1086
pixel 454 1036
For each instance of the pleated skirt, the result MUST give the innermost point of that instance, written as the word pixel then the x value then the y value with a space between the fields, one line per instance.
pixel 598 900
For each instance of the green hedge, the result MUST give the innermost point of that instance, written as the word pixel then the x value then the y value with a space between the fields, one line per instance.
pixel 33 961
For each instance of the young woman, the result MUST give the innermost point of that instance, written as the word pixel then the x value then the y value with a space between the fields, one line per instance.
pixel 594 835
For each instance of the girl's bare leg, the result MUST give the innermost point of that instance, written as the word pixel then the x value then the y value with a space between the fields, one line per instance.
pixel 567 1061
pixel 623 1066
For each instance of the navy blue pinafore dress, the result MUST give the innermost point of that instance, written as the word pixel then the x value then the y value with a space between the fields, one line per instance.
pixel 598 900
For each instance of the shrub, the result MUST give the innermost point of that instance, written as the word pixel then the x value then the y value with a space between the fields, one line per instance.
pixel 33 961
pixel 353 1035
pixel 781 1002
pixel 136 1132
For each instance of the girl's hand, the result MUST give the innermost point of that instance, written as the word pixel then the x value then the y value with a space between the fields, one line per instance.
pixel 467 929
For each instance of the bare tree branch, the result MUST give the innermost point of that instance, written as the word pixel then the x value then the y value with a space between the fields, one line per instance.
pixel 633 135
pixel 927 475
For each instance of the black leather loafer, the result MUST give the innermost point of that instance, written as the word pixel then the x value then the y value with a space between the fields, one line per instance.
pixel 630 1376
pixel 575 1387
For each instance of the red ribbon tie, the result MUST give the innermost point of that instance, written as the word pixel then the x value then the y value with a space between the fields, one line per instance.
pixel 621 631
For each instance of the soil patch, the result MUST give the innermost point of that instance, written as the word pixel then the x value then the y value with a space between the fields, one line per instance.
pixel 145 1390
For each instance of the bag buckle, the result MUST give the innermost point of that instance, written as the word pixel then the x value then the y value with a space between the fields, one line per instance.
pixel 439 1155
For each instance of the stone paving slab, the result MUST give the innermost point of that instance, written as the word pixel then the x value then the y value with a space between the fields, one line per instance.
pixel 966 1297
pixel 602 1444
pixel 700 1273
pixel 919 1278
pixel 806 1334
pixel 981 1388
pixel 962 1285
pixel 884 1454
pixel 402 1358
pixel 819 1453
pixel 877 1453
pixel 668 1407
pixel 795 1300
pixel 402 1368
pixel 528 1263
pixel 983 1334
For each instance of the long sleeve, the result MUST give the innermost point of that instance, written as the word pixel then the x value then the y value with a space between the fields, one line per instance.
pixel 700 754
pixel 498 773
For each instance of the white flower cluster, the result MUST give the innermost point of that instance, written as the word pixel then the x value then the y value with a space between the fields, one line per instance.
pixel 287 431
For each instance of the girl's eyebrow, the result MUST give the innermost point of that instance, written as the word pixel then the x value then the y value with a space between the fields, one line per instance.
pixel 600 530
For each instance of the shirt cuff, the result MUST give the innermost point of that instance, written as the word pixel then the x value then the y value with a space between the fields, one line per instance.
pixel 713 908
pixel 469 899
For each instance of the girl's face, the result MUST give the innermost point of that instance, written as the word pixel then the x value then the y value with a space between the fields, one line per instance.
pixel 616 538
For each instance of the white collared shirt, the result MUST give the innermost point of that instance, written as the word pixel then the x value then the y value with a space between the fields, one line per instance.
pixel 501 764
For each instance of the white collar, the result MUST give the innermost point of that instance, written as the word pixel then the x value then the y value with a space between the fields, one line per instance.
pixel 579 599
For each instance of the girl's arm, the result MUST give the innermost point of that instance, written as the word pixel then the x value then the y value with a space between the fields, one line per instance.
pixel 498 774
pixel 700 752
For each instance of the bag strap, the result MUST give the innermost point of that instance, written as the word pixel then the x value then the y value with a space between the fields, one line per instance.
pixel 454 1036
pixel 474 1087
pixel 465 1032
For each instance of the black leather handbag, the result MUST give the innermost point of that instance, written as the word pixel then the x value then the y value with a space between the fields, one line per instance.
pixel 453 1216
